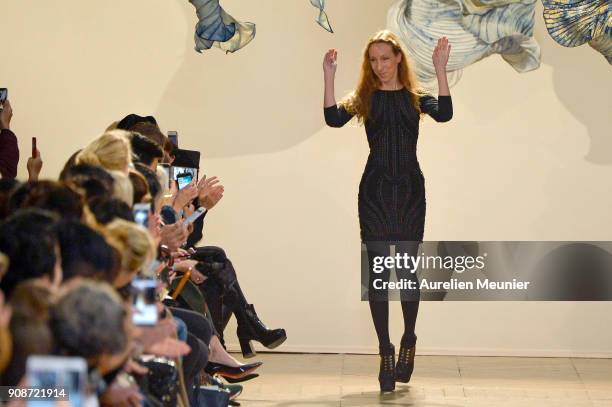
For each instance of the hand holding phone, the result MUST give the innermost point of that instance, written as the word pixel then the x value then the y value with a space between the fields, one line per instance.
pixel 34 164
pixel 183 175
pixel 6 111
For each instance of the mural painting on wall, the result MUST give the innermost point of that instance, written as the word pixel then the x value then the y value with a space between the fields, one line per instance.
pixel 475 28
pixel 575 22
pixel 217 28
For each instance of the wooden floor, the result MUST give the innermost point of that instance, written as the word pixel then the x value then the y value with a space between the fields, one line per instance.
pixel 351 380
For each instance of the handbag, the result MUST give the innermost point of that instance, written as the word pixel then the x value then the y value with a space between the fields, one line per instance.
pixel 162 381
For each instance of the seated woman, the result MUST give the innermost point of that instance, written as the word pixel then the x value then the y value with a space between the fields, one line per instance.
pixel 219 283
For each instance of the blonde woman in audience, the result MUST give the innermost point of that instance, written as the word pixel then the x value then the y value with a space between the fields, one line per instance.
pixel 111 151
pixel 135 245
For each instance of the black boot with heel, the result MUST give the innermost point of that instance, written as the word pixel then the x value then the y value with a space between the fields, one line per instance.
pixel 386 376
pixel 405 363
pixel 250 328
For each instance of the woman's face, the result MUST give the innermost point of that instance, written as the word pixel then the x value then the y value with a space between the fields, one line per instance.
pixel 384 61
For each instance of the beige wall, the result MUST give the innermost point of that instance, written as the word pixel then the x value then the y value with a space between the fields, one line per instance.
pixel 527 157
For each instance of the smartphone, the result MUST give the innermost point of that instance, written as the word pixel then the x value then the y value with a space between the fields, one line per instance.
pixel 34 147
pixel 183 180
pixel 3 95
pixel 195 215
pixel 67 375
pixel 142 211
pixel 145 301
pixel 173 137
pixel 183 175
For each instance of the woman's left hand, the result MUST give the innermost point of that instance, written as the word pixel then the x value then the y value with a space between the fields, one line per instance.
pixel 441 53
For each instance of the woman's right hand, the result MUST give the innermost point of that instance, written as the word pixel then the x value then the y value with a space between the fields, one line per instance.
pixel 330 62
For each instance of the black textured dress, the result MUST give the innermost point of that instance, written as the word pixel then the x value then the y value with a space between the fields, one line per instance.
pixel 392 189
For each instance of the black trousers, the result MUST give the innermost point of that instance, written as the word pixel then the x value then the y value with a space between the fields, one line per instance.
pixel 198 338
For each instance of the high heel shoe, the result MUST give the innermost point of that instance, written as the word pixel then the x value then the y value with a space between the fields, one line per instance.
pixel 405 364
pixel 386 376
pixel 242 379
pixel 250 328
pixel 231 371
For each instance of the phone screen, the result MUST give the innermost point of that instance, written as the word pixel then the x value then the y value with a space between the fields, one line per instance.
pixel 184 180
pixel 3 95
pixel 141 214
pixel 184 175
pixel 145 304
pixel 66 374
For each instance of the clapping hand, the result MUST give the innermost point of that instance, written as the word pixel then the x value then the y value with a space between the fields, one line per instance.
pixel 185 196
pixel 210 191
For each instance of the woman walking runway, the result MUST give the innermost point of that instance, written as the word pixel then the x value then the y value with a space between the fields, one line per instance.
pixel 391 198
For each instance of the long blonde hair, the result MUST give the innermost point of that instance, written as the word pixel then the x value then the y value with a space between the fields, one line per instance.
pixel 358 102
pixel 111 150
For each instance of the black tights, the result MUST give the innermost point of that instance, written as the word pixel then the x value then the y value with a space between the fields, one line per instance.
pixel 379 299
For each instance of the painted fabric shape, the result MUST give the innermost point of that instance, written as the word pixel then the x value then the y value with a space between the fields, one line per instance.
pixel 217 28
pixel 574 22
pixel 475 30
pixel 322 20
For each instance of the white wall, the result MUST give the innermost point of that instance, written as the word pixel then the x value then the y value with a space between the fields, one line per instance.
pixel 526 157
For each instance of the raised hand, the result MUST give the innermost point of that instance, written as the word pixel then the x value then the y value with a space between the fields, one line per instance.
pixel 440 54
pixel 6 114
pixel 34 166
pixel 210 192
pixel 185 196
pixel 330 62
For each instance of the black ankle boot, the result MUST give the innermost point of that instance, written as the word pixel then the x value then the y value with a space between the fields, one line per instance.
pixel 405 364
pixel 250 328
pixel 386 376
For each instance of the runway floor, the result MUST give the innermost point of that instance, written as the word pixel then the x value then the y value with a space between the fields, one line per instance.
pixel 439 381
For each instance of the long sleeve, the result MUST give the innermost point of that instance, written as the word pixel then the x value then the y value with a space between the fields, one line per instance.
pixel 198 230
pixel 9 154
pixel 336 116
pixel 441 109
